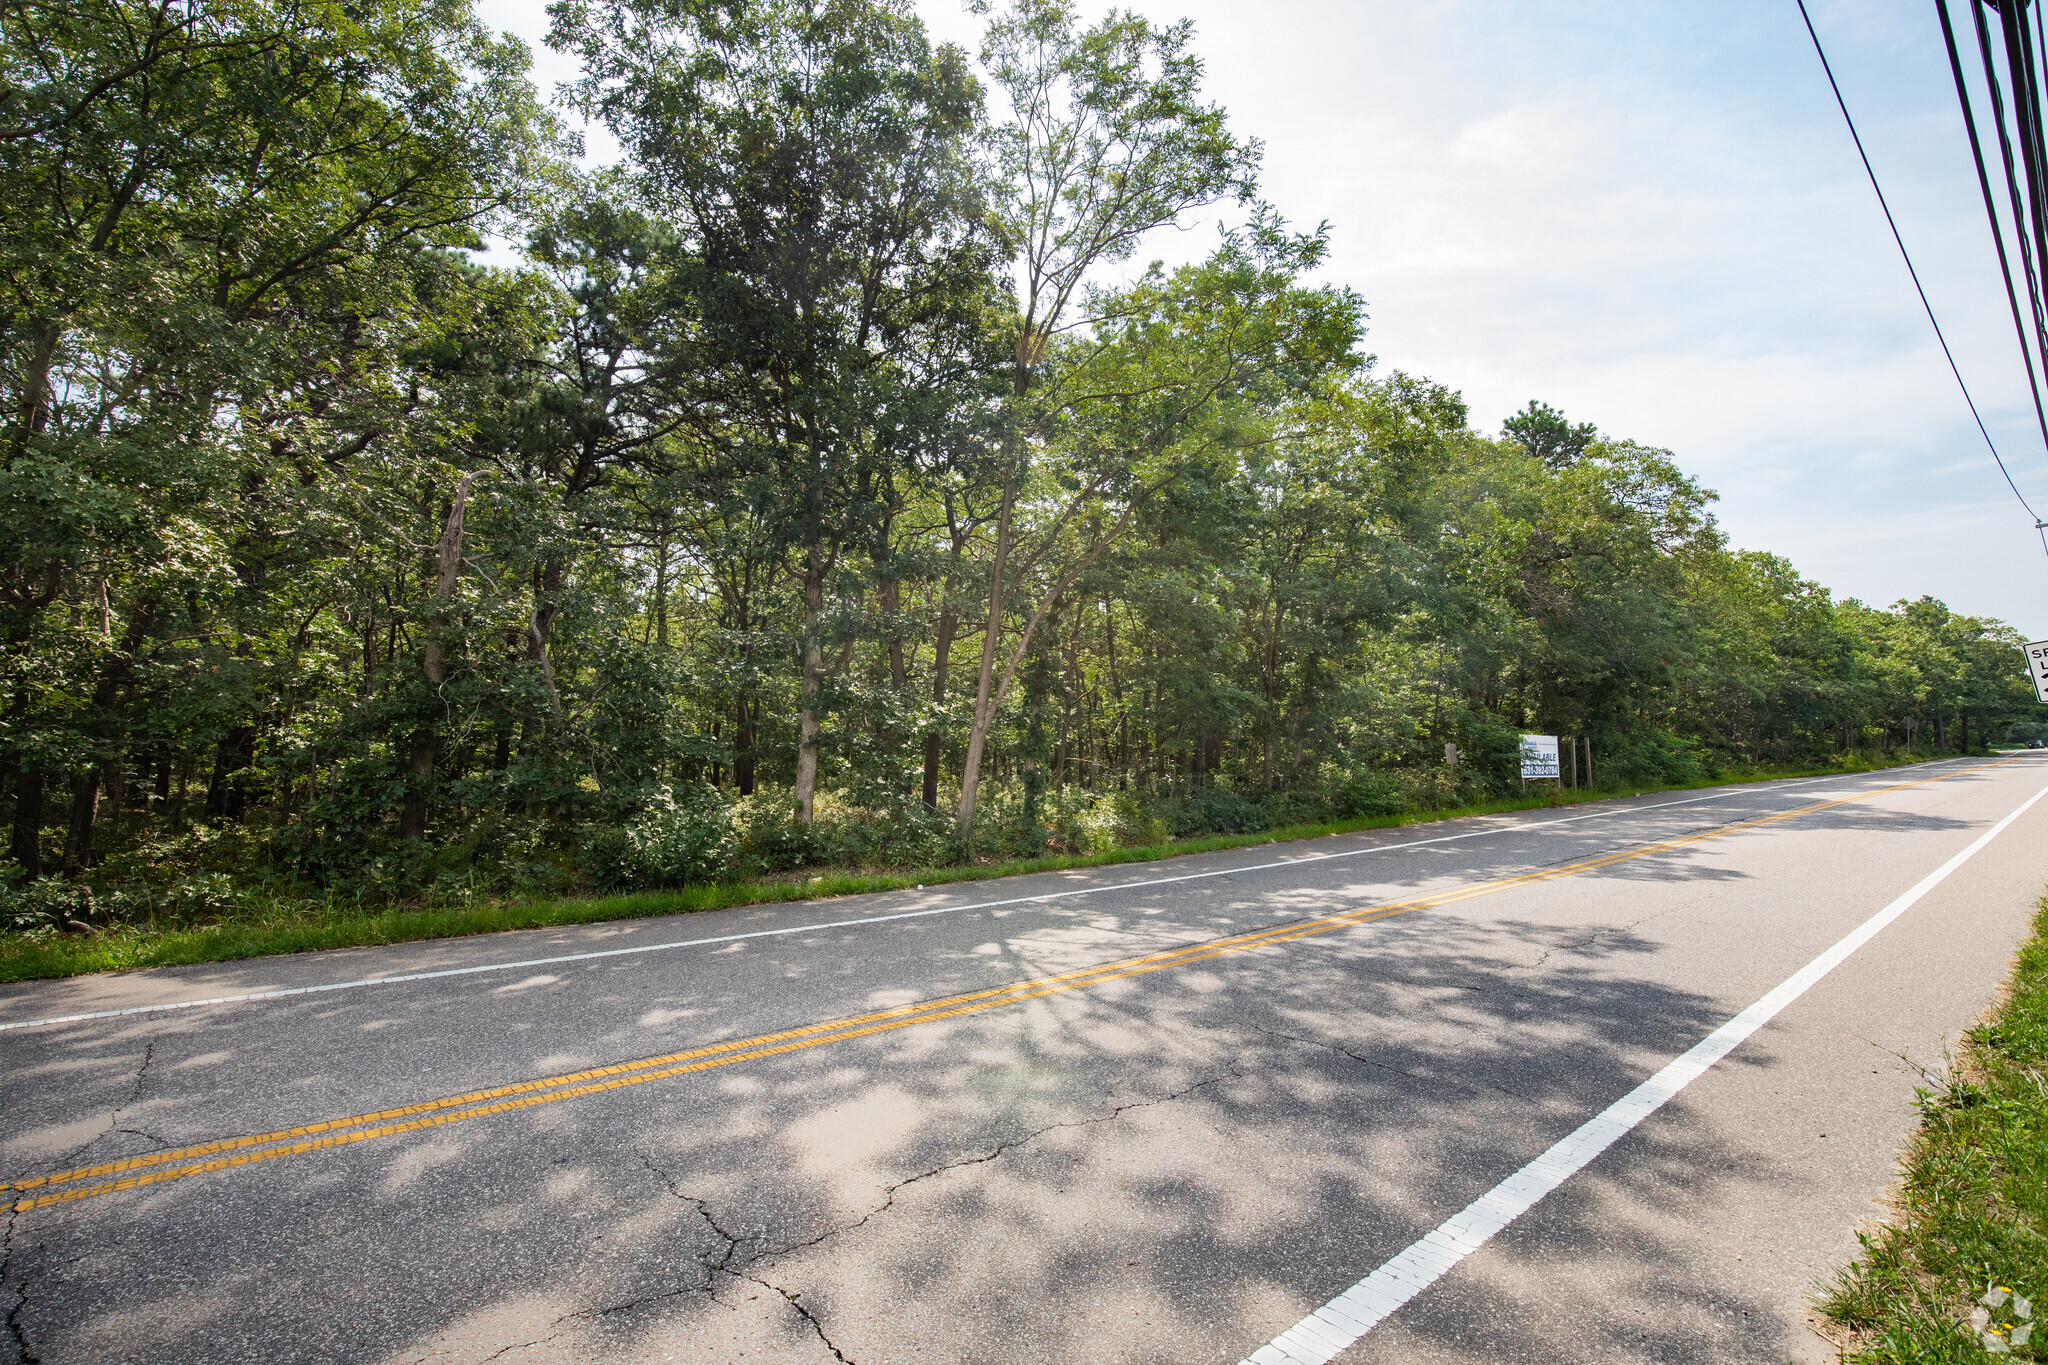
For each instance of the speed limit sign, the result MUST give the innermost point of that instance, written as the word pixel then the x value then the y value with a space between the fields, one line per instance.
pixel 2037 664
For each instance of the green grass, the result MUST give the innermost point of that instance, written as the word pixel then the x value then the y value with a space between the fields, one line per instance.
pixel 300 926
pixel 1972 1209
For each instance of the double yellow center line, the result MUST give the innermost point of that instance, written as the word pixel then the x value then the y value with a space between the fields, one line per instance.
pixel 156 1168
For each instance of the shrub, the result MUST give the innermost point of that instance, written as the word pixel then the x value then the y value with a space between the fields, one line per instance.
pixel 882 824
pixel 1368 792
pixel 1118 820
pixel 1214 810
pixel 770 839
pixel 47 902
pixel 1437 788
pixel 1653 759
pixel 685 834
pixel 202 895
pixel 1489 750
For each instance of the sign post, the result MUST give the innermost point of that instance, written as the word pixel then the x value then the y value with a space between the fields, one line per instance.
pixel 2037 664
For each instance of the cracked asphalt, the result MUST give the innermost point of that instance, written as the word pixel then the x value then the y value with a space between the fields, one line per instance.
pixel 1170 1165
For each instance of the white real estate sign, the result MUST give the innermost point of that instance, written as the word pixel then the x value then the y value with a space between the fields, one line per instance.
pixel 2037 664
pixel 1539 756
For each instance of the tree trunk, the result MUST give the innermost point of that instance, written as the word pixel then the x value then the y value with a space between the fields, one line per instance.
pixel 889 597
pixel 934 742
pixel 85 800
pixel 989 695
pixel 813 666
pixel 412 821
pixel 225 798
pixel 661 594
pixel 412 818
pixel 889 604
pixel 106 693
pixel 948 628
pixel 1272 671
pixel 977 729
pixel 114 778
pixel 540 630
pixel 743 748
pixel 33 413
pixel 27 846
pixel 934 745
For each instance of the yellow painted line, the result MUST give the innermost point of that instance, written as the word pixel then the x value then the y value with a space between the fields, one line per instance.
pixel 159 1167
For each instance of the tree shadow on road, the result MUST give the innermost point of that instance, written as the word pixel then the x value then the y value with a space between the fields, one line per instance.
pixel 1166 1168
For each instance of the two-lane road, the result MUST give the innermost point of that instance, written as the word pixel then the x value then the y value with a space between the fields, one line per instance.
pixel 1156 1112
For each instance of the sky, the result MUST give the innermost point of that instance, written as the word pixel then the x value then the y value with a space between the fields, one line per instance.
pixel 1650 216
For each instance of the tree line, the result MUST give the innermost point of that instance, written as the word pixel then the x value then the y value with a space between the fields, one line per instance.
pixel 824 480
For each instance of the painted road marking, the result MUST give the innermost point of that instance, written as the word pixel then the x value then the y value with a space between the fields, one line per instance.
pixel 158 1167
pixel 256 996
pixel 1330 1330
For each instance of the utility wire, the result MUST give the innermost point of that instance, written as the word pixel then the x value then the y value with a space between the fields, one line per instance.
pixel 1907 256
pixel 2012 181
pixel 1955 62
pixel 2026 114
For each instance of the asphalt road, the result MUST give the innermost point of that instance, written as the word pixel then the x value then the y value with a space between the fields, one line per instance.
pixel 1160 1120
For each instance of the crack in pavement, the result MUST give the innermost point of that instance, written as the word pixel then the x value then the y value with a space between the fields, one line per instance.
pixel 157 1138
pixel 740 1266
pixel 548 1333
pixel 587 1314
pixel 703 1207
pixel 114 1114
pixel 16 1328
pixel 515 1346
pixel 141 1076
pixel 796 1301
pixel 1594 937
pixel 1341 1050
pixel 982 1158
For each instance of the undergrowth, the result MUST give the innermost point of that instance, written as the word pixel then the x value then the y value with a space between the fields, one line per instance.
pixel 252 924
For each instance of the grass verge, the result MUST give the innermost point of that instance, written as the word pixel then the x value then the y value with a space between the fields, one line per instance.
pixel 300 926
pixel 1972 1209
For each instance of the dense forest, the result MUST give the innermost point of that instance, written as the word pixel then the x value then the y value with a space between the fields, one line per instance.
pixel 392 502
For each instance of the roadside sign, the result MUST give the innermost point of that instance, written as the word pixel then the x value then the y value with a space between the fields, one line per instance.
pixel 2037 664
pixel 1539 756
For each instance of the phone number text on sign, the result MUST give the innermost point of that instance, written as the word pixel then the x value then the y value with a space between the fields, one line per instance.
pixel 1539 756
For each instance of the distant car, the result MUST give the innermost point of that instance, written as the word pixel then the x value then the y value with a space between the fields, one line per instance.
pixel 2037 744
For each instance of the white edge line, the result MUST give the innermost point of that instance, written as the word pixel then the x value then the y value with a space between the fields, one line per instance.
pixel 253 996
pixel 1324 1334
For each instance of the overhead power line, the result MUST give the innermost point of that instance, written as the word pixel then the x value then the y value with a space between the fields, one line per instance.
pixel 2030 150
pixel 1955 63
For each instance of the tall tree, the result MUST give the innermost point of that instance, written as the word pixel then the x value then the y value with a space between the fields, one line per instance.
pixel 1543 431
pixel 817 156
pixel 215 221
pixel 1105 139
